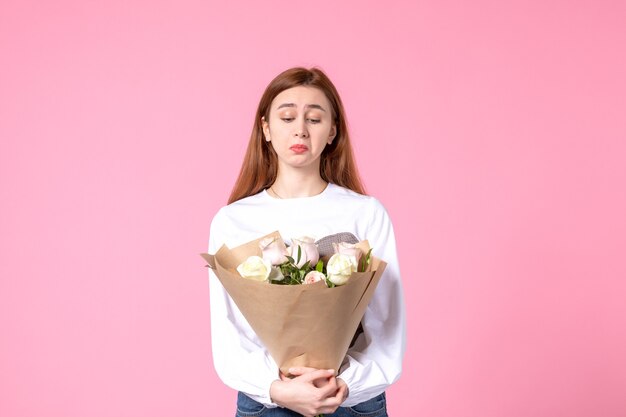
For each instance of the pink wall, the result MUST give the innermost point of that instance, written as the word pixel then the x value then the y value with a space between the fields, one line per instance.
pixel 493 132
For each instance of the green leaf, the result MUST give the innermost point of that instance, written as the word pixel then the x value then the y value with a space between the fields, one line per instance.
pixel 364 261
pixel 320 266
pixel 299 254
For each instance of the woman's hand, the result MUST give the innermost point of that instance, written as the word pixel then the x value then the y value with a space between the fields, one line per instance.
pixel 297 371
pixel 311 392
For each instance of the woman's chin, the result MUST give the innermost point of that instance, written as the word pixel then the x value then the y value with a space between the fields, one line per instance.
pixel 300 162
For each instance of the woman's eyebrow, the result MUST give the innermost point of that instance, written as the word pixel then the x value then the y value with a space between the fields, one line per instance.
pixel 311 106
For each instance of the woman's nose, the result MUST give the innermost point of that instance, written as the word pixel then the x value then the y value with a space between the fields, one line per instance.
pixel 301 130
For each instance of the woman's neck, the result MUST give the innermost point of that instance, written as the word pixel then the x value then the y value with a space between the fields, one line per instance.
pixel 296 183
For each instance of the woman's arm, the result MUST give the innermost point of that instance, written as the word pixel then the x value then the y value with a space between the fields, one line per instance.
pixel 239 358
pixel 375 360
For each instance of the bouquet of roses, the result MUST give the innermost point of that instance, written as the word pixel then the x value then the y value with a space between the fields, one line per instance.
pixel 308 325
pixel 301 263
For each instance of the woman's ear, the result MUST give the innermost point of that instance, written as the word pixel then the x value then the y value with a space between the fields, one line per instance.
pixel 266 129
pixel 333 133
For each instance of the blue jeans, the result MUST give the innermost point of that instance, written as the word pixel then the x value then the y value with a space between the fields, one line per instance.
pixel 374 407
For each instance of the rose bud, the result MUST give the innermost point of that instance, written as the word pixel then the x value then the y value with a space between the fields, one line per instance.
pixel 348 249
pixel 276 274
pixel 340 267
pixel 274 250
pixel 308 251
pixel 314 276
pixel 255 268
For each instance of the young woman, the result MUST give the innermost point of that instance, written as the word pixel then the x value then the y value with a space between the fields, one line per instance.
pixel 299 177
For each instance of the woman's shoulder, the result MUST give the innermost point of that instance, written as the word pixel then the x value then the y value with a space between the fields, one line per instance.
pixel 239 209
pixel 234 216
pixel 348 196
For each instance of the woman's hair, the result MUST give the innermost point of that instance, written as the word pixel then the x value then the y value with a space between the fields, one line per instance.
pixel 260 164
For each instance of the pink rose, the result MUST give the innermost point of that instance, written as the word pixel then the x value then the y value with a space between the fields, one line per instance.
pixel 308 251
pixel 274 250
pixel 314 276
pixel 349 250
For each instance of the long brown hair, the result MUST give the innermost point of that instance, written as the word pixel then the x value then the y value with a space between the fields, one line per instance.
pixel 260 164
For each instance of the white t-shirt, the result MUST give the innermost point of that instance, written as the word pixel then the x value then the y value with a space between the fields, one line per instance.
pixel 375 360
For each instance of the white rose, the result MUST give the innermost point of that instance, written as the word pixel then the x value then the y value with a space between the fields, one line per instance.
pixel 308 251
pixel 314 276
pixel 274 250
pixel 255 268
pixel 340 267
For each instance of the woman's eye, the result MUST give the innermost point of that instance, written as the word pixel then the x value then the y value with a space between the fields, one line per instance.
pixel 290 119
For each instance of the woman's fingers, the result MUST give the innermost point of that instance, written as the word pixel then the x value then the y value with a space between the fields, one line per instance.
pixel 312 392
pixel 342 384
pixel 318 382
pixel 330 404
pixel 323 380
pixel 329 389
pixel 317 374
pixel 301 395
pixel 301 370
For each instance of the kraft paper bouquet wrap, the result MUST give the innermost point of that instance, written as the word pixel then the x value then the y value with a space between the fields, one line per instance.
pixel 300 325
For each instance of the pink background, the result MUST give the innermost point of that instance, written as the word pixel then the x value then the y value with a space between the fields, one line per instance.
pixel 493 132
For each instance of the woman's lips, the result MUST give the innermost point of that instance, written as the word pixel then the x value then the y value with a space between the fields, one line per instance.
pixel 299 148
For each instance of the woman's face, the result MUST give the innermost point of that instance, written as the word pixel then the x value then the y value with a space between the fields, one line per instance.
pixel 300 126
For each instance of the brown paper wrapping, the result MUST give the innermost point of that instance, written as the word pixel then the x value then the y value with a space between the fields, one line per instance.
pixel 301 325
